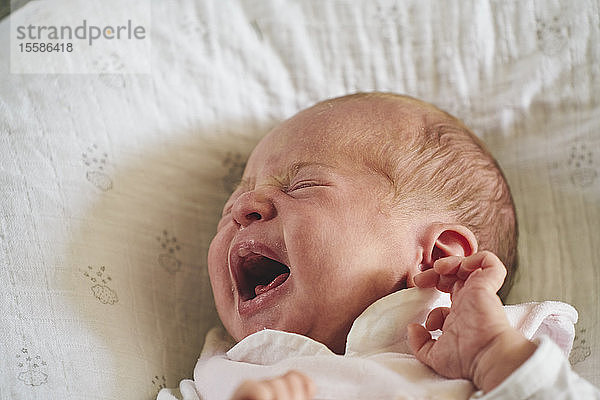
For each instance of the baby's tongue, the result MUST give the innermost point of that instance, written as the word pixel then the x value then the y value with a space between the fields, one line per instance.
pixel 260 289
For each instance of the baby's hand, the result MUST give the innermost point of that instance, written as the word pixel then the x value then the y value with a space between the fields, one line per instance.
pixel 477 341
pixel 292 386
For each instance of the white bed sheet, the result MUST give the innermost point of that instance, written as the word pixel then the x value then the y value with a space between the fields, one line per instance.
pixel 111 184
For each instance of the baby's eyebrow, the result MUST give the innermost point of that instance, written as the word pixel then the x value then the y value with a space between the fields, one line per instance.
pixel 285 178
pixel 297 166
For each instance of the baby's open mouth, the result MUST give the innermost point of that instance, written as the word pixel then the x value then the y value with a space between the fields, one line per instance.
pixel 259 274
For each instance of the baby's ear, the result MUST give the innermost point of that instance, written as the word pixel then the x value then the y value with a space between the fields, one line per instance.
pixel 443 240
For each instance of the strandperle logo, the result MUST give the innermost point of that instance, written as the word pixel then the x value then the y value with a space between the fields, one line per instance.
pixel 82 37
pixel 85 31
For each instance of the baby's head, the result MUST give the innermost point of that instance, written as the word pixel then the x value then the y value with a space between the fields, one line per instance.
pixel 343 204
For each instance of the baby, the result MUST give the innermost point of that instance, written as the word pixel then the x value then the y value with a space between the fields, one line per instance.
pixel 353 221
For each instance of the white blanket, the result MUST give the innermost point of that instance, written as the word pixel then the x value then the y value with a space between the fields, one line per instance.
pixel 111 184
pixel 377 363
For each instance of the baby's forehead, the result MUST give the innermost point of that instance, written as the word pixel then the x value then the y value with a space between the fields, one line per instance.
pixel 367 110
pixel 369 119
pixel 342 131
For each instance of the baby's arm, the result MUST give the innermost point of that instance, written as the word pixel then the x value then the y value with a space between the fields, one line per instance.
pixel 291 386
pixel 477 341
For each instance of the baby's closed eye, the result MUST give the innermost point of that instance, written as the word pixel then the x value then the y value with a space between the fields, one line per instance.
pixel 304 184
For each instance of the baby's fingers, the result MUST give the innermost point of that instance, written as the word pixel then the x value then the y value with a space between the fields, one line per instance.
pixel 492 271
pixel 442 276
pixel 291 386
pixel 437 276
pixel 421 343
pixel 449 273
pixel 446 283
pixel 436 318
pixel 447 265
pixel 253 390
pixel 299 386
pixel 427 279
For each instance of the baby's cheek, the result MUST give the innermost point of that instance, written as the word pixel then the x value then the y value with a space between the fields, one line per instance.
pixel 224 302
pixel 218 271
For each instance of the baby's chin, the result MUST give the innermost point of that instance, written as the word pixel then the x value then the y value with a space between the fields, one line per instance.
pixel 335 341
pixel 244 330
pixel 241 329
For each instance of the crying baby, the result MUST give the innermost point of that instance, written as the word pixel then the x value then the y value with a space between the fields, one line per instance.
pixel 361 257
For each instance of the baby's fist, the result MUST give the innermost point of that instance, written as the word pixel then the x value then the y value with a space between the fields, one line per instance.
pixel 477 341
pixel 291 386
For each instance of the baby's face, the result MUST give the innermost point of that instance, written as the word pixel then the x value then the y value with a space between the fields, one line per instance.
pixel 304 244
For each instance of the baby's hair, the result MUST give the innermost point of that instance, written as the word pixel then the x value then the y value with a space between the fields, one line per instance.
pixel 439 165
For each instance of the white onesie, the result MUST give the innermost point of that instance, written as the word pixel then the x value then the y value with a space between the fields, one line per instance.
pixel 378 363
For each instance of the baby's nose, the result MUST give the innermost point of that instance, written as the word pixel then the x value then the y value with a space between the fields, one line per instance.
pixel 253 206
